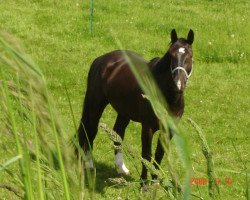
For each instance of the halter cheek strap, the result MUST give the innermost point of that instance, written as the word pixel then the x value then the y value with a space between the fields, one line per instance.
pixel 183 69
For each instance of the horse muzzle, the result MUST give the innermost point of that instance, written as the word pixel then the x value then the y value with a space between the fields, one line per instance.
pixel 180 86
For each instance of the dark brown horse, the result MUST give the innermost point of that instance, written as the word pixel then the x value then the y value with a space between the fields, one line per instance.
pixel 110 80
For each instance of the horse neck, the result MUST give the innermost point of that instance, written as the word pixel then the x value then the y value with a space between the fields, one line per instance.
pixel 163 76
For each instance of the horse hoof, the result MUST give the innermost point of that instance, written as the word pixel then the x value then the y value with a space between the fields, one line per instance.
pixel 89 162
pixel 122 170
pixel 121 167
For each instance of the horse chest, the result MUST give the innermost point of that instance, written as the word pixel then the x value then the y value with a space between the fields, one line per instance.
pixel 176 107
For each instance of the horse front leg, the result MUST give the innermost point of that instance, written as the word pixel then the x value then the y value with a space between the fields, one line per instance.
pixel 146 138
pixel 159 153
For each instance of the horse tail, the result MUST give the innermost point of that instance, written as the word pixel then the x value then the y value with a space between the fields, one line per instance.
pixel 93 106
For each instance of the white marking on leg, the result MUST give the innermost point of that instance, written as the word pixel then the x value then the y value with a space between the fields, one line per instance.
pixel 182 50
pixel 121 168
pixel 89 163
pixel 179 85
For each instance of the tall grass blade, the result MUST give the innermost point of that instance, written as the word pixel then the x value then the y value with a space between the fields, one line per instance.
pixel 25 172
pixel 37 148
pixel 29 98
pixel 26 154
pixel 159 105
pixel 76 145
pixel 59 153
pixel 210 163
pixel 11 189
pixel 9 162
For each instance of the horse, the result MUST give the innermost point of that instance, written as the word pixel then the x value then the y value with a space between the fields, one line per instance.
pixel 111 81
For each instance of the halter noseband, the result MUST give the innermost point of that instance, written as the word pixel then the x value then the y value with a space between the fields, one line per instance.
pixel 183 69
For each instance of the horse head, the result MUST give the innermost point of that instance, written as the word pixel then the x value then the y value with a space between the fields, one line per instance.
pixel 181 54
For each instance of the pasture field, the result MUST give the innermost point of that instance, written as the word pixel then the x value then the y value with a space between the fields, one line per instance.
pixel 56 35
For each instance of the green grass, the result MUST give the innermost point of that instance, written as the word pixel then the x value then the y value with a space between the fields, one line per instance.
pixel 57 36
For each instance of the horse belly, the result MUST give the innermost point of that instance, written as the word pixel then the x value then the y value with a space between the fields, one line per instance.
pixel 128 101
pixel 124 96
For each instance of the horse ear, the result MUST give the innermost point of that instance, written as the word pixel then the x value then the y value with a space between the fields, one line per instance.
pixel 173 36
pixel 190 37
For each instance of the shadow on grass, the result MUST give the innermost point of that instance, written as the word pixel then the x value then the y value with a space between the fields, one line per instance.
pixel 104 176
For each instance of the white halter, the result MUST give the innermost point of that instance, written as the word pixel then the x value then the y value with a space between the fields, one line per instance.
pixel 183 69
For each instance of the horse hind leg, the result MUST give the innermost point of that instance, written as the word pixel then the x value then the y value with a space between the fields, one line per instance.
pixel 92 111
pixel 119 127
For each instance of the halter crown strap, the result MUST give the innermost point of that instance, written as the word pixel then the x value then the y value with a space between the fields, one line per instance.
pixel 183 69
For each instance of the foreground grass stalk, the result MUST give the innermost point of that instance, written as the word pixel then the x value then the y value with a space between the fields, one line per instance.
pixel 210 164
pixel 9 162
pixel 159 105
pixel 59 153
pixel 245 169
pixel 16 55
pixel 38 164
pixel 31 77
pixel 175 186
pixel 11 189
pixel 75 143
pixel 10 114
pixel 24 134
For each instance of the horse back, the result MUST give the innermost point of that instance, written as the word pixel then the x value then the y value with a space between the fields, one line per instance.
pixel 111 72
